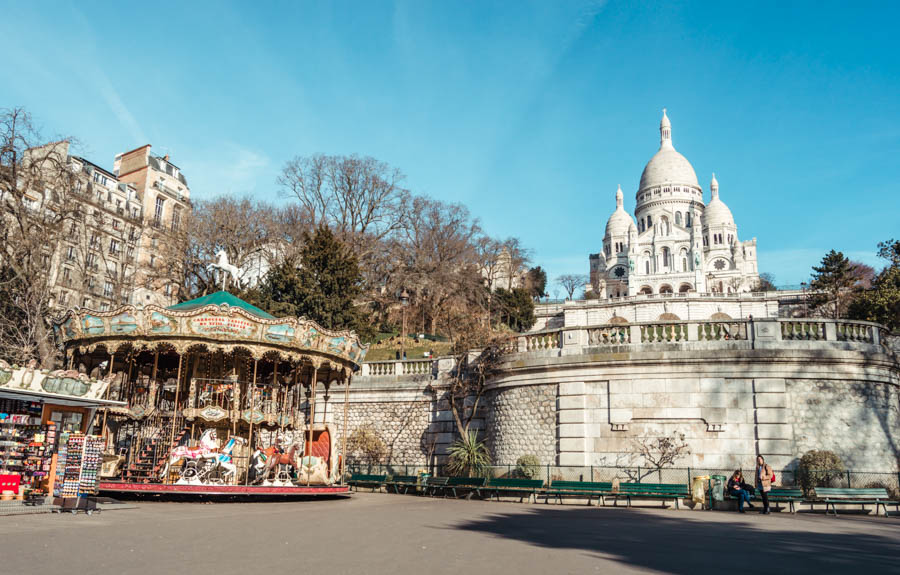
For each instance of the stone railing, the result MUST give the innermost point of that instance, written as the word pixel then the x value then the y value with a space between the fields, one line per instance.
pixel 407 367
pixel 759 331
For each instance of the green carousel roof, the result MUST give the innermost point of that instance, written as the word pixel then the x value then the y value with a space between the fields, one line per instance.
pixel 220 298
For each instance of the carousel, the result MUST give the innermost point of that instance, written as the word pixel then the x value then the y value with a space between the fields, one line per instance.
pixel 218 396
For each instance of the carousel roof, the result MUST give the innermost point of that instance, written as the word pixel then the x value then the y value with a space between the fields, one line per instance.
pixel 218 321
pixel 221 298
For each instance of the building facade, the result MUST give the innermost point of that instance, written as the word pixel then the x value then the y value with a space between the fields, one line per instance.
pixel 675 242
pixel 165 199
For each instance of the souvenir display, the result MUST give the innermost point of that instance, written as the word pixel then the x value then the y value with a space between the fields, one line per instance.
pixel 26 446
pixel 78 465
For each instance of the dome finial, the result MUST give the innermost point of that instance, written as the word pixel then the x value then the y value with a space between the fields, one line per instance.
pixel 665 131
pixel 619 197
pixel 714 187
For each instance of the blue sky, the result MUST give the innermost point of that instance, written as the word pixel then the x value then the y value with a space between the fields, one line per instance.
pixel 529 113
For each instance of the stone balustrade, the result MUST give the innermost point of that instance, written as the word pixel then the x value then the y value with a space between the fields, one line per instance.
pixel 753 332
pixel 647 335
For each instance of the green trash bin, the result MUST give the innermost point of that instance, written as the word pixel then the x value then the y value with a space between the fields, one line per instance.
pixel 717 487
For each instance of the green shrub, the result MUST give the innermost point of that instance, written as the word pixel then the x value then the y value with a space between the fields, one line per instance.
pixel 528 466
pixel 819 469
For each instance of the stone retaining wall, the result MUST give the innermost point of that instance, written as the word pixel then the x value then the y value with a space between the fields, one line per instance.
pixel 522 421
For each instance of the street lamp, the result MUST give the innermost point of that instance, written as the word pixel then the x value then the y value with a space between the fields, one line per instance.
pixel 404 303
pixel 805 301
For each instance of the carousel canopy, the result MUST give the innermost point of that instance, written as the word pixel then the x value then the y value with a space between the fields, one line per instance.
pixel 221 298
pixel 219 322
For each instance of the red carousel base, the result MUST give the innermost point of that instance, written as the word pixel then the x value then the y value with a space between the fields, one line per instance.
pixel 122 488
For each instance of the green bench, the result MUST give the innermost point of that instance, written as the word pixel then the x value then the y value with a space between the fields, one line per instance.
pixel 878 497
pixel 522 487
pixel 661 491
pixel 402 482
pixel 589 489
pixel 358 480
pixel 464 485
pixel 779 495
pixel 435 485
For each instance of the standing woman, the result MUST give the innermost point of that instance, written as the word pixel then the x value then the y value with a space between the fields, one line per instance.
pixel 764 478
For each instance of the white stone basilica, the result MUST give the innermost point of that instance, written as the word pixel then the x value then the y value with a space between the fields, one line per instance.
pixel 678 244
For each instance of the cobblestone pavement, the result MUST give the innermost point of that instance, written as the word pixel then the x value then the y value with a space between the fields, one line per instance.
pixel 380 534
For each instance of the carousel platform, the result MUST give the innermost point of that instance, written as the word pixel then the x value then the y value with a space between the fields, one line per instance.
pixel 122 489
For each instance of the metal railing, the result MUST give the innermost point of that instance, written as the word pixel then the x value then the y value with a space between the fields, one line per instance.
pixel 889 480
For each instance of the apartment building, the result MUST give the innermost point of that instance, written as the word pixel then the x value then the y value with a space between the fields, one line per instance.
pixel 163 192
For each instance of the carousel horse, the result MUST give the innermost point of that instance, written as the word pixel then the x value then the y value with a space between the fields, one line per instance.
pixel 224 266
pixel 261 463
pixel 209 444
pixel 281 462
pixel 217 467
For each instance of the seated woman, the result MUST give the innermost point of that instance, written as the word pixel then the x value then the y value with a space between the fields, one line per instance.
pixel 737 488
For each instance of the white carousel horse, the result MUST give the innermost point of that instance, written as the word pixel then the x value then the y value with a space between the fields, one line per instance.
pixel 223 265
pixel 201 471
pixel 209 443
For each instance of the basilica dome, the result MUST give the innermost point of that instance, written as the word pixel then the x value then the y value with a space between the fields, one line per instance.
pixel 619 222
pixel 667 165
pixel 716 212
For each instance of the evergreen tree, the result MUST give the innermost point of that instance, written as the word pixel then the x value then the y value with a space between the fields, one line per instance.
pixel 834 280
pixel 515 308
pixel 321 284
pixel 536 282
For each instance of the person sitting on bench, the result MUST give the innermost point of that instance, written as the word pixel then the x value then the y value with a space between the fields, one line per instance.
pixel 737 488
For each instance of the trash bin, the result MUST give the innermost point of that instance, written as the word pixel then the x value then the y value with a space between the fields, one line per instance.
pixel 717 486
pixel 698 488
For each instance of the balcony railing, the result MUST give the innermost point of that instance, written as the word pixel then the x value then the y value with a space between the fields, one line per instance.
pixel 675 332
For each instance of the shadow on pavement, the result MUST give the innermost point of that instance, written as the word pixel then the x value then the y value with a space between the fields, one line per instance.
pixel 681 544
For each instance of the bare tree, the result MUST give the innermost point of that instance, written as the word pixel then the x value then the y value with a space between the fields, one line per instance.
pixel 478 352
pixel 661 452
pixel 360 198
pixel 435 257
pixel 38 198
pixel 571 282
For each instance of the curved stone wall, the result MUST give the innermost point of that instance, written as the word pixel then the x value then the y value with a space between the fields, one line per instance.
pixel 521 421
pixel 748 392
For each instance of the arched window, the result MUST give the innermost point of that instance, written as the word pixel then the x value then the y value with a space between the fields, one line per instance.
pixel 677 218
pixel 649 221
pixel 684 266
pixel 665 257
pixel 647 267
pixel 687 219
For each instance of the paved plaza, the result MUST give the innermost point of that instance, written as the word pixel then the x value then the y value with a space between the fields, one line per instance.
pixel 381 534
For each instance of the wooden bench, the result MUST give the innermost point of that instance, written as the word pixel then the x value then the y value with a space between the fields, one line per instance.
pixel 780 495
pixel 878 497
pixel 661 491
pixel 402 482
pixel 435 485
pixel 590 489
pixel 358 480
pixel 522 487
pixel 465 485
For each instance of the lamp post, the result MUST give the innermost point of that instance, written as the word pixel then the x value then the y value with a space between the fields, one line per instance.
pixel 404 303
pixel 805 301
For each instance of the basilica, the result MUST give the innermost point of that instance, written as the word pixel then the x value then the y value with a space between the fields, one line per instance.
pixel 675 242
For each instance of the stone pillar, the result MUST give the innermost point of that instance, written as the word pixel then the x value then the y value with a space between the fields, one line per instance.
pixel 774 427
pixel 571 417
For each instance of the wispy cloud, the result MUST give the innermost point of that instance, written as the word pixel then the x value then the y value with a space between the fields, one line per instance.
pixel 230 168
pixel 117 106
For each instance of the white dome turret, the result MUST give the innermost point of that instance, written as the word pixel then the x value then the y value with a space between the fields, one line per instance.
pixel 716 212
pixel 619 222
pixel 667 166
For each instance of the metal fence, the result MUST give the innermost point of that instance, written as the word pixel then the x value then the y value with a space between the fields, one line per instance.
pixel 549 473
